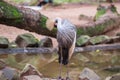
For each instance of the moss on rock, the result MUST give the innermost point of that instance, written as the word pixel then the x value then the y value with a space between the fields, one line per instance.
pixel 99 39
pixel 26 40
pixel 82 40
pixel 4 42
pixel 9 11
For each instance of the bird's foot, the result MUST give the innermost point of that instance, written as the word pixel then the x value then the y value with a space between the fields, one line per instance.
pixel 67 78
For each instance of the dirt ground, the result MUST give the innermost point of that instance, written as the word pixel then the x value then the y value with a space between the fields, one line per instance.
pixel 70 12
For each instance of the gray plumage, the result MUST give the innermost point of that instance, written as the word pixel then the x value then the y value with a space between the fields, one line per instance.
pixel 66 37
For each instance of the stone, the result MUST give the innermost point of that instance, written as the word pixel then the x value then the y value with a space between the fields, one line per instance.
pixel 46 42
pixel 82 40
pixel 2 76
pixel 99 39
pixel 118 34
pixel 29 70
pixel 10 73
pixel 112 68
pixel 114 77
pixel 13 45
pixel 32 77
pixel 88 74
pixel 26 40
pixel 4 42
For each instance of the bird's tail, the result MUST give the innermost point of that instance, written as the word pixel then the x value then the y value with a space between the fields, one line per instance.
pixel 63 55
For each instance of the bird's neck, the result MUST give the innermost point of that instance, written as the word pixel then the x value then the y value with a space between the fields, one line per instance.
pixel 59 25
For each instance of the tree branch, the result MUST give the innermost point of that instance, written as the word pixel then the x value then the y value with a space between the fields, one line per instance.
pixel 54 50
pixel 34 21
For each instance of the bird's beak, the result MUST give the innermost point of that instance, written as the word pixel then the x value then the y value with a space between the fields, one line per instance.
pixel 55 24
pixel 50 24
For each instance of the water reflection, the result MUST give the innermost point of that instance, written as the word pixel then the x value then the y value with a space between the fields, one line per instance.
pixel 48 65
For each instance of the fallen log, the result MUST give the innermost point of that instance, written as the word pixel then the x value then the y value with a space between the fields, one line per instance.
pixel 115 46
pixel 34 21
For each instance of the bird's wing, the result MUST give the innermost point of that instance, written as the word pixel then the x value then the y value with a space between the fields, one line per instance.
pixel 67 35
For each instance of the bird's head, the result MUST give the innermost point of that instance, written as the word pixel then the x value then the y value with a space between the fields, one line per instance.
pixel 57 21
pixel 53 23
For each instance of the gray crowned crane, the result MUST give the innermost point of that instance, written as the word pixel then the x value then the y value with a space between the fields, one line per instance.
pixel 66 38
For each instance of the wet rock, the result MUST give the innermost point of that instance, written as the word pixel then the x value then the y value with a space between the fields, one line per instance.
pixel 88 74
pixel 29 70
pixel 4 43
pixel 114 77
pixel 26 40
pixel 2 76
pixel 13 45
pixel 83 40
pixel 2 64
pixel 46 42
pixel 10 73
pixel 32 77
pixel 99 39
pixel 113 68
pixel 118 34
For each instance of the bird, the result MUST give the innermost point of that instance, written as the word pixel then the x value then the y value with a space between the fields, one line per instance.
pixel 66 38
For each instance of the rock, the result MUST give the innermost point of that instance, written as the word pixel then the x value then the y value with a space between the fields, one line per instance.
pixel 88 74
pixel 114 77
pixel 4 43
pixel 99 39
pixel 46 42
pixel 29 70
pixel 2 76
pixel 26 40
pixel 113 68
pixel 32 77
pixel 10 73
pixel 2 64
pixel 118 34
pixel 82 40
pixel 13 45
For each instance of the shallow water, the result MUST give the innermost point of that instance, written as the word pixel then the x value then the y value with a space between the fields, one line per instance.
pixel 48 64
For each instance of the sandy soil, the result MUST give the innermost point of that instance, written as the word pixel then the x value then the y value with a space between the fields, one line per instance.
pixel 70 12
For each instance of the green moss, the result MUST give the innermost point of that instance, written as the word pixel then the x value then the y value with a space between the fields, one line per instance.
pixel 81 31
pixel 100 11
pixel 99 28
pixel 9 11
pixel 3 40
pixel 82 40
pixel 43 20
pixel 99 39
pixel 29 38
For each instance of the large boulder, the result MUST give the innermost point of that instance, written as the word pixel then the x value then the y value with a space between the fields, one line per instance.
pixel 26 40
pixel 29 70
pixel 88 74
pixel 46 42
pixel 10 73
pixel 99 39
pixel 83 40
pixel 114 77
pixel 32 77
pixel 2 76
pixel 4 43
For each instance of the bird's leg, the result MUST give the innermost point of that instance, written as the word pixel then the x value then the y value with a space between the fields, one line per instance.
pixel 67 77
pixel 60 69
